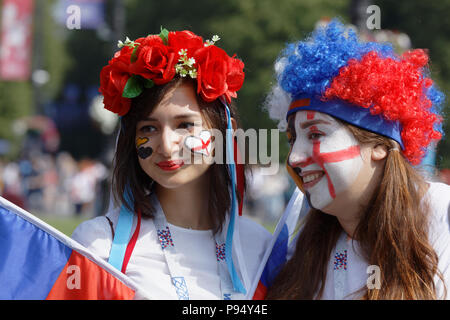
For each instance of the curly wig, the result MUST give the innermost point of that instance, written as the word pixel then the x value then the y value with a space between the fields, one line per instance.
pixel 334 64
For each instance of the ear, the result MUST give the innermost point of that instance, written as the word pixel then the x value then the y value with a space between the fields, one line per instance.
pixel 379 152
pixel 234 124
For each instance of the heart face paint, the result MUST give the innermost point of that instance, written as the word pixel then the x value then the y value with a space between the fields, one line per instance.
pixel 327 154
pixel 199 144
pixel 143 152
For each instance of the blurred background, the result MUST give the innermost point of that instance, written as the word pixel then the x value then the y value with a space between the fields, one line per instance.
pixel 57 141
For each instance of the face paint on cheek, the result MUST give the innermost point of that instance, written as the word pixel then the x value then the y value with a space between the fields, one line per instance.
pixel 141 141
pixel 199 144
pixel 340 173
pixel 143 152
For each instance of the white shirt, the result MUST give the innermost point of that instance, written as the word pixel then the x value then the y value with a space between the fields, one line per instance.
pixel 196 250
pixel 439 236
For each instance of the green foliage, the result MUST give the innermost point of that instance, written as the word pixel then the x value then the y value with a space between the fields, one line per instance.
pixel 428 26
pixel 15 103
pixel 18 98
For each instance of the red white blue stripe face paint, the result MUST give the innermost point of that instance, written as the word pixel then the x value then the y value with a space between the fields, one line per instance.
pixel 327 154
pixel 200 144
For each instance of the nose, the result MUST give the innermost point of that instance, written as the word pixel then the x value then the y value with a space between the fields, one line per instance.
pixel 299 156
pixel 170 142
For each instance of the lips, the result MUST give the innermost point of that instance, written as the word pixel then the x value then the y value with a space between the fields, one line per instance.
pixel 170 165
pixel 311 178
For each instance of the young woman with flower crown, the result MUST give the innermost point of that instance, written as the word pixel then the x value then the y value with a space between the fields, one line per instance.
pixel 176 229
pixel 358 116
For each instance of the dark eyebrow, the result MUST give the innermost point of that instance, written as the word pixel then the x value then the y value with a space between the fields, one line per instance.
pixel 307 124
pixel 187 115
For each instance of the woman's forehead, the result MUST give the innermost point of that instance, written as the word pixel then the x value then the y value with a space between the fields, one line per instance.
pixel 304 119
pixel 177 102
pixel 313 115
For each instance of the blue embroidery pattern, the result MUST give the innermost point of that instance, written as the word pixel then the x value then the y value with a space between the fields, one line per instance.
pixel 181 288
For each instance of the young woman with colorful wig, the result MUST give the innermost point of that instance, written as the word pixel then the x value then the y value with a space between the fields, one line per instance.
pixel 176 227
pixel 359 117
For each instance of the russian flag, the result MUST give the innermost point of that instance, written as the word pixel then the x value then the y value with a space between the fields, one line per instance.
pixel 279 250
pixel 38 262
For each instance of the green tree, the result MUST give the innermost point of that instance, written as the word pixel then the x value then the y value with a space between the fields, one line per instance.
pixel 428 26
pixel 17 98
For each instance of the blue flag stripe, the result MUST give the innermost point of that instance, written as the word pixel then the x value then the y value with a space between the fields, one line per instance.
pixel 30 258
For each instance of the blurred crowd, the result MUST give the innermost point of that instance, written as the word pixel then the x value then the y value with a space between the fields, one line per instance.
pixel 55 184
pixel 60 185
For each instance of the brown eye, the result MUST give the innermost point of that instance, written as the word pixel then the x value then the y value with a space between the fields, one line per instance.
pixel 147 129
pixel 186 125
pixel 315 135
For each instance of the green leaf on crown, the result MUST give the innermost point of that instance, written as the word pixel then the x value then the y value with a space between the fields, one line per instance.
pixel 164 35
pixel 133 88
pixel 147 83
pixel 133 54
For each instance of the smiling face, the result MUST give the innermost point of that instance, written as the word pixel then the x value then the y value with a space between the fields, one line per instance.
pixel 327 157
pixel 161 144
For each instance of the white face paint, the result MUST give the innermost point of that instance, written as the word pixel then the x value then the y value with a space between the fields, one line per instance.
pixel 200 144
pixel 327 154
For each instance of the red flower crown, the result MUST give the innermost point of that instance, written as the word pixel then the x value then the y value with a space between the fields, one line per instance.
pixel 157 59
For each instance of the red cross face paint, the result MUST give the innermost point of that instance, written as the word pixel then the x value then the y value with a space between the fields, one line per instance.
pixel 326 156
pixel 200 144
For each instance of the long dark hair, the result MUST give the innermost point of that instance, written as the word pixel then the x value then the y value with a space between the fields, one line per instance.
pixel 128 175
pixel 392 232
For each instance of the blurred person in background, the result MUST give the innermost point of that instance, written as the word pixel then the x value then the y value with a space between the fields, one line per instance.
pixel 266 195
pixel 83 185
pixel 11 184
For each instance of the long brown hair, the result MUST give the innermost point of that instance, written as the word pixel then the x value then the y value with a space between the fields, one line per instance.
pixel 128 175
pixel 392 233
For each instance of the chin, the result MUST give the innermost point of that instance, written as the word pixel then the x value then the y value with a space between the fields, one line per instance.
pixel 172 182
pixel 319 198
pixel 181 178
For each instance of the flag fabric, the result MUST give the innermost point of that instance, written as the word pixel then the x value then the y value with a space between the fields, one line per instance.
pixel 279 250
pixel 38 262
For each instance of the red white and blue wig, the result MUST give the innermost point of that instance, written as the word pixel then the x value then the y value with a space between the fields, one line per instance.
pixel 365 84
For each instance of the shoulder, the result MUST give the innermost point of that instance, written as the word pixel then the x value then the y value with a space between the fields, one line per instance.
pixel 254 240
pixel 252 230
pixel 96 234
pixel 439 192
pixel 439 200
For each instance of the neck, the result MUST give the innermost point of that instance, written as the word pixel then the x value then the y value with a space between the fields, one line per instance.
pixel 187 205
